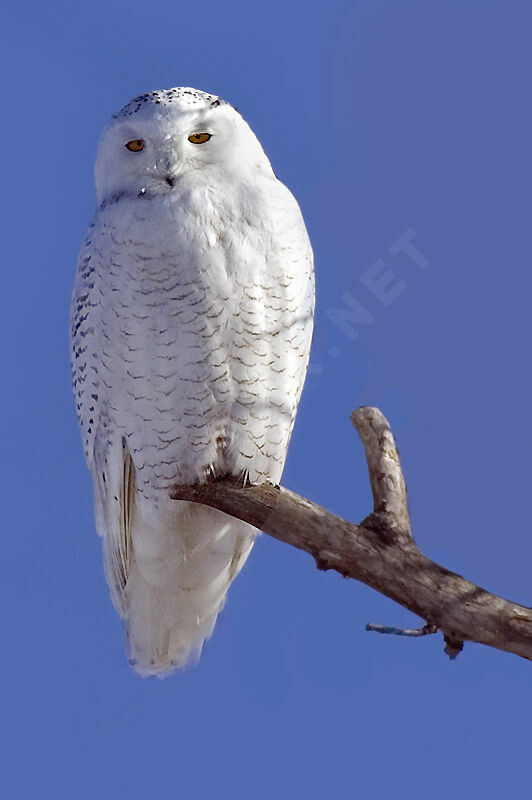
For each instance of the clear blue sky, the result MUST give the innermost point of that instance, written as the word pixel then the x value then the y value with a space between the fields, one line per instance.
pixel 382 116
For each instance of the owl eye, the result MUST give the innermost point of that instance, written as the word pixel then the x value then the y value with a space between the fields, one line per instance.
pixel 199 138
pixel 135 145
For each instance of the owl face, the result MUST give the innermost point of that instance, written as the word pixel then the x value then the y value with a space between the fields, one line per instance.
pixel 161 138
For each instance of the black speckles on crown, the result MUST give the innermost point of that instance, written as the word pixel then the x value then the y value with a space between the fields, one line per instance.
pixel 166 97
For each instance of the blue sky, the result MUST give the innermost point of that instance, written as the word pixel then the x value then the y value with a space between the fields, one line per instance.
pixel 383 117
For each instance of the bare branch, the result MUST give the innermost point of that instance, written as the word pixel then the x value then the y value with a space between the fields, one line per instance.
pixel 380 551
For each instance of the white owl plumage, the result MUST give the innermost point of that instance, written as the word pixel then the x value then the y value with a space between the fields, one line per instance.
pixel 191 323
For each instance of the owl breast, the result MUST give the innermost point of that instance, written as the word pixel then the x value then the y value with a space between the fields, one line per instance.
pixel 200 312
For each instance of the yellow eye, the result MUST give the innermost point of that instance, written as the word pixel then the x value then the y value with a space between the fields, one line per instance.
pixel 199 138
pixel 135 145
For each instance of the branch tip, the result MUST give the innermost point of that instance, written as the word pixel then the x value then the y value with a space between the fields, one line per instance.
pixel 386 477
pixel 426 630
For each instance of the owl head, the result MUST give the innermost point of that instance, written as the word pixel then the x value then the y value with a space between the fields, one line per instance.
pixel 161 137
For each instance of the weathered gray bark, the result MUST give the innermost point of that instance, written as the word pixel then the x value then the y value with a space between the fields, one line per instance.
pixel 380 551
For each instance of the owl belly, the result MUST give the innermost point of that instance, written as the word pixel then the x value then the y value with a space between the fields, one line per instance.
pixel 206 351
pixel 174 387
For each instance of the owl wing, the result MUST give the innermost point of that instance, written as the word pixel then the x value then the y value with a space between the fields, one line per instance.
pixel 271 337
pixel 83 342
pixel 107 457
pixel 298 261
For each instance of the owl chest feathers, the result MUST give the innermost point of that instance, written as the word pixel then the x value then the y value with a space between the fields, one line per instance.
pixel 203 348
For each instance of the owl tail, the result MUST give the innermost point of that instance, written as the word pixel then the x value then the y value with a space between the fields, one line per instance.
pixel 169 571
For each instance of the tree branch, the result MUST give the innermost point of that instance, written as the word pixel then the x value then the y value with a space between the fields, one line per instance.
pixel 381 551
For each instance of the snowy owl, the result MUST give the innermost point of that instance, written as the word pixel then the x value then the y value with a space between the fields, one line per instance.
pixel 191 323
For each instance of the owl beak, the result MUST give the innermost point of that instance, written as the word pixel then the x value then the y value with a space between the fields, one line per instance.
pixel 170 181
